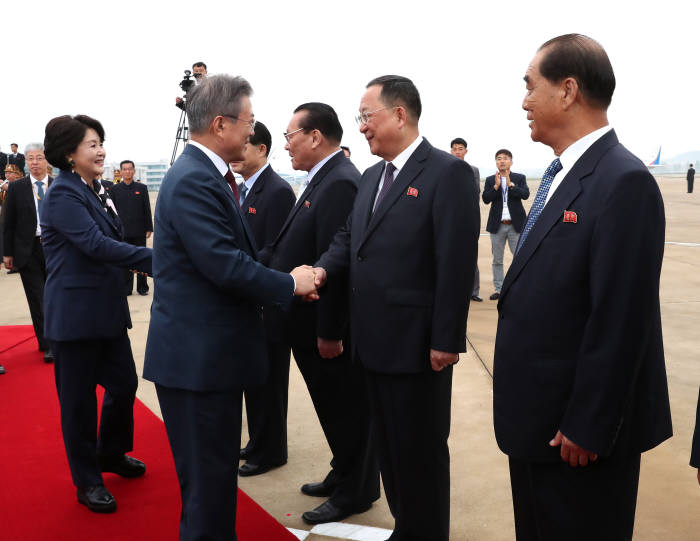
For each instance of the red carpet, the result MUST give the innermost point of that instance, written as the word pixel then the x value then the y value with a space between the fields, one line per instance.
pixel 37 497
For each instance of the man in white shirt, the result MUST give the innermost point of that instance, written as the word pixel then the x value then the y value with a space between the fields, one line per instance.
pixel 22 236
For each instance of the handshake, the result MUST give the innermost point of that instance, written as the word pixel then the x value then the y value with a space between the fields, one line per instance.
pixel 308 281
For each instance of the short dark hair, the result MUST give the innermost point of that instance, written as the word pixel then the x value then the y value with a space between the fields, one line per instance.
pixel 584 59
pixel 398 90
pixel 64 133
pixel 504 151
pixel 121 164
pixel 321 117
pixel 199 65
pixel 14 145
pixel 458 141
pixel 261 137
pixel 346 148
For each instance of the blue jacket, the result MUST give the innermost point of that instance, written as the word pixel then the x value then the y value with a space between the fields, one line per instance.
pixel 84 293
pixel 206 331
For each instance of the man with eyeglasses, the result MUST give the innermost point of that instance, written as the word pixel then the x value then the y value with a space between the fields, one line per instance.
pixel 318 334
pixel 409 248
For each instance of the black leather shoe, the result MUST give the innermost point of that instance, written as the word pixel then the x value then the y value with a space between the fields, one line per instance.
pixel 327 512
pixel 477 298
pixel 97 499
pixel 48 356
pixel 13 271
pixel 248 469
pixel 2 369
pixel 244 454
pixel 495 296
pixel 317 489
pixel 124 466
pixel 143 293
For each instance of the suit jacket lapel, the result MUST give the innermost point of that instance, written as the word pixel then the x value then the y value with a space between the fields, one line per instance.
pixel 413 168
pixel 567 191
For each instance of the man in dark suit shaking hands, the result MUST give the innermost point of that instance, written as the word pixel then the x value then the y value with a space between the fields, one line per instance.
pixel 409 248
pixel 208 289
pixel 579 375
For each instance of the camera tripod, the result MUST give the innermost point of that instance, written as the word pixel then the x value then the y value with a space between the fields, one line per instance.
pixel 183 131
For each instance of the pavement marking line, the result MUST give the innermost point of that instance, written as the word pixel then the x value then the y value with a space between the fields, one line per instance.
pixel 351 531
pixel 479 357
pixel 683 243
pixel 299 534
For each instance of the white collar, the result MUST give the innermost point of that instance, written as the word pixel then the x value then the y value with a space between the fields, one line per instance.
pixel 45 180
pixel 217 160
pixel 405 154
pixel 320 164
pixel 251 180
pixel 574 151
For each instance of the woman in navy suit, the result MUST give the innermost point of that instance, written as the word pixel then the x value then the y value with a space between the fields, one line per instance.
pixel 86 312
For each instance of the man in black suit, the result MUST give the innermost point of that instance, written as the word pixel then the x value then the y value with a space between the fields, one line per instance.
pixel 266 199
pixel 579 376
pixel 22 237
pixel 690 177
pixel 458 148
pixel 16 158
pixel 409 248
pixel 505 222
pixel 134 208
pixel 318 333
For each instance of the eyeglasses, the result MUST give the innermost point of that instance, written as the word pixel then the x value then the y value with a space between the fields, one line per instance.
pixel 288 135
pixel 251 122
pixel 364 118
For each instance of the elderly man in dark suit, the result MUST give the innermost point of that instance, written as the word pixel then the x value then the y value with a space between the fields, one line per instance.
pixel 266 199
pixel 134 208
pixel 579 374
pixel 22 237
pixel 505 191
pixel 208 292
pixel 409 248
pixel 318 334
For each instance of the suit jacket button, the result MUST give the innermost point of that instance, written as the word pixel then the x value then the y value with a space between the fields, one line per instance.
pixel 359 258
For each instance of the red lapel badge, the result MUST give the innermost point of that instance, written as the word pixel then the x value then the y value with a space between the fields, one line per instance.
pixel 307 204
pixel 251 210
pixel 570 217
pixel 137 193
pixel 413 192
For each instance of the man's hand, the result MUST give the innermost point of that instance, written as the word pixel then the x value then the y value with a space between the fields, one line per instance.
pixel 508 182
pixel 442 359
pixel 306 281
pixel 8 261
pixel 319 280
pixel 178 101
pixel 329 349
pixel 572 453
pixel 148 234
pixel 497 182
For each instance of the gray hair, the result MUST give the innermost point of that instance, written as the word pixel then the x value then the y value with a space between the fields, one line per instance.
pixel 34 146
pixel 216 95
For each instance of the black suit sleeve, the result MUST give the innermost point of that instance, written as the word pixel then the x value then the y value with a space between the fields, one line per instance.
pixel 332 210
pixel 9 219
pixel 695 453
pixel 336 260
pixel 456 233
pixel 147 218
pixel 489 194
pixel 625 261
pixel 520 189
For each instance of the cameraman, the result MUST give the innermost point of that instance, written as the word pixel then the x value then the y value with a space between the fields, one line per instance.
pixel 199 71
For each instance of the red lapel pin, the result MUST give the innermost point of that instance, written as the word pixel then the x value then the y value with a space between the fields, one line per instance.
pixel 137 193
pixel 570 217
pixel 251 210
pixel 307 204
pixel 413 192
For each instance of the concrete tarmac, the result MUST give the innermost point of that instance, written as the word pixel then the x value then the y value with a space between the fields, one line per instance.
pixel 481 507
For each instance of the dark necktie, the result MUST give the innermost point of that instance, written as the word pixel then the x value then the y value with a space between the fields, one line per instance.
pixel 388 181
pixel 244 192
pixel 39 195
pixel 232 182
pixel 540 200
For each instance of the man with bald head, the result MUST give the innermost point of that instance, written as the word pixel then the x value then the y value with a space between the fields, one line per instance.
pixel 579 375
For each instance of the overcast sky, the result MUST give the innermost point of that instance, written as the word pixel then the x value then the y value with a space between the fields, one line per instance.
pixel 121 62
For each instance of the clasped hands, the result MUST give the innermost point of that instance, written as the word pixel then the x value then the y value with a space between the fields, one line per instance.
pixel 308 280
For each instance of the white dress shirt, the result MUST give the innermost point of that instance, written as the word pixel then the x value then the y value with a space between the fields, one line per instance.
pixel 399 162
pixel 218 162
pixel 505 215
pixel 45 180
pixel 572 154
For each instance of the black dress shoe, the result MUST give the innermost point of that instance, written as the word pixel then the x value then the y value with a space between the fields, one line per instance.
pixel 125 466
pixel 317 489
pixel 98 499
pixel 244 454
pixel 495 296
pixel 2 369
pixel 143 293
pixel 48 356
pixel 328 512
pixel 248 469
pixel 477 298
pixel 13 271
